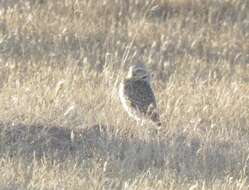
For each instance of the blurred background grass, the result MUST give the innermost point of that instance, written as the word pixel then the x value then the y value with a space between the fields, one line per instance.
pixel 62 125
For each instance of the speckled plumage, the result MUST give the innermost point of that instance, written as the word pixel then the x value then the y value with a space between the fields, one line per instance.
pixel 137 96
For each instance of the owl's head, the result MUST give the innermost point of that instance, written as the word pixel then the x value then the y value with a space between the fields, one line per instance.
pixel 138 72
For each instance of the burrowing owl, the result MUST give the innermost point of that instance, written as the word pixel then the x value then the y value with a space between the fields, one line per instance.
pixel 137 97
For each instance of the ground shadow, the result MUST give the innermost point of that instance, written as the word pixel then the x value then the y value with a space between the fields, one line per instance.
pixel 182 154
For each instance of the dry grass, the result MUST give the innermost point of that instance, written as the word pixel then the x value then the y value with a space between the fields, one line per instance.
pixel 62 125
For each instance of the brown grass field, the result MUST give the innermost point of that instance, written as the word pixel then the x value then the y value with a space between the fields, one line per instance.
pixel 61 122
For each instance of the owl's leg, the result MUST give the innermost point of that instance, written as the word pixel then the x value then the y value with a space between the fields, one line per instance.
pixel 140 122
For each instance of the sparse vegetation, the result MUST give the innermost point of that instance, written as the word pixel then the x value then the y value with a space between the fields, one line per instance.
pixel 62 125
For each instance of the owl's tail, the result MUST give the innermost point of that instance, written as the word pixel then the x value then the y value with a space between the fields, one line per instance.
pixel 159 124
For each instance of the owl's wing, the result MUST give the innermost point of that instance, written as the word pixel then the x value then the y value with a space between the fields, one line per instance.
pixel 140 95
